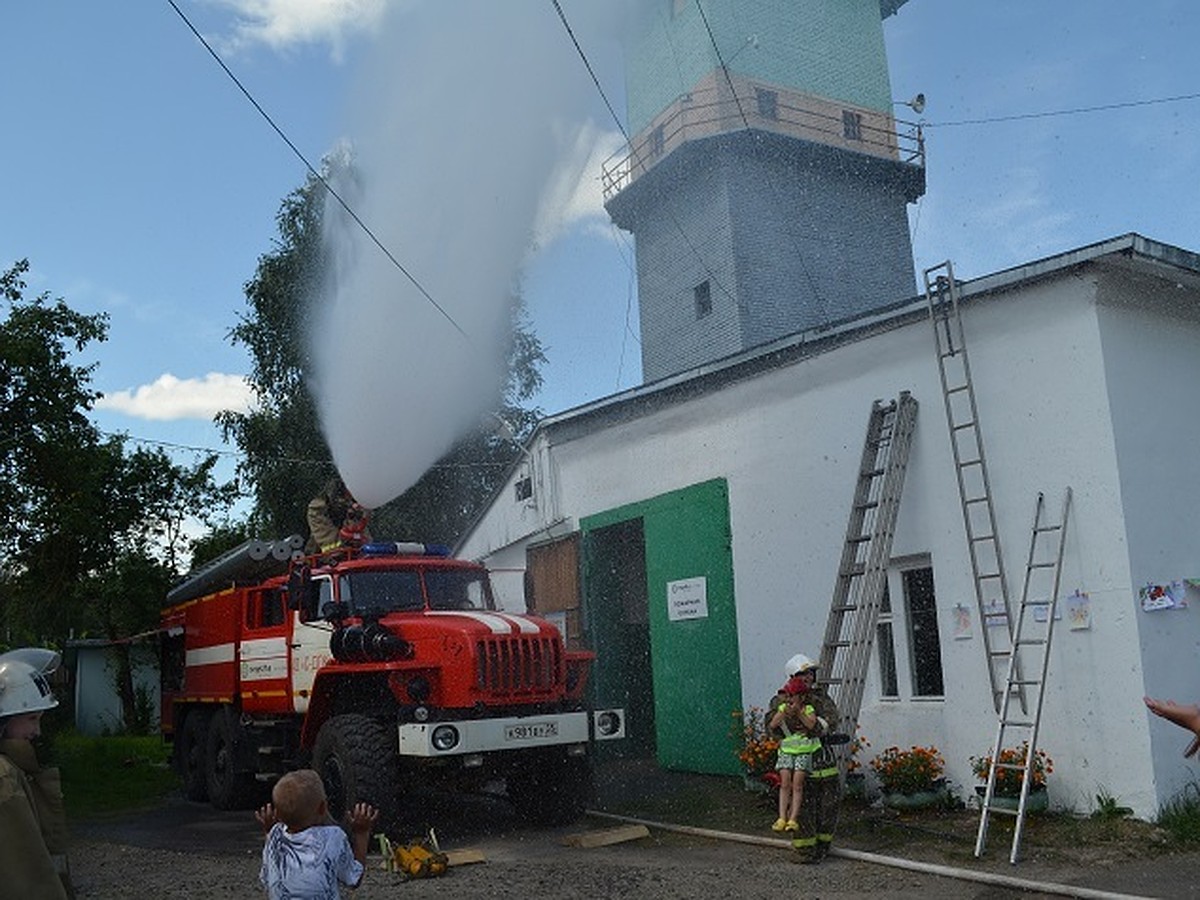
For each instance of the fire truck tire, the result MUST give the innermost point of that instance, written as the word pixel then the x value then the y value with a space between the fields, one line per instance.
pixel 552 791
pixel 189 755
pixel 227 787
pixel 356 758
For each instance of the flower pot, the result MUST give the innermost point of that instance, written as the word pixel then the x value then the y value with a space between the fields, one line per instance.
pixel 936 795
pixel 856 785
pixel 1037 801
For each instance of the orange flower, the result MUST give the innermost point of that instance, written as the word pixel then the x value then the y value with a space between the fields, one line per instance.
pixel 1008 781
pixel 908 771
pixel 753 746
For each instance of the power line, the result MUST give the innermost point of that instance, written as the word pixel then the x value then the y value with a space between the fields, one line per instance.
pixel 317 175
pixel 1074 111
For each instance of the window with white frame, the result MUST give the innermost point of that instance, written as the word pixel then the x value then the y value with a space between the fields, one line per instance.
pixel 885 641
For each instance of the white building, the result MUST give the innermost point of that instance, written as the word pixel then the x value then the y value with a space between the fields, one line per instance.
pixel 696 523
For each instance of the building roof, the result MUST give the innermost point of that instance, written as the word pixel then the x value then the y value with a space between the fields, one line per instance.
pixel 1130 251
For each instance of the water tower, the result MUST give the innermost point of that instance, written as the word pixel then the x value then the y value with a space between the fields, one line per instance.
pixel 766 181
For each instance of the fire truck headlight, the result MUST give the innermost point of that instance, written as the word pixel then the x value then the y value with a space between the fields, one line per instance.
pixel 444 737
pixel 609 723
pixel 421 714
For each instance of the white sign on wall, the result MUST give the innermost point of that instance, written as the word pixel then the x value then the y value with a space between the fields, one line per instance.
pixel 687 599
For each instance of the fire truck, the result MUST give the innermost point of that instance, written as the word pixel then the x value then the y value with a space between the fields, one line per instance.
pixel 385 668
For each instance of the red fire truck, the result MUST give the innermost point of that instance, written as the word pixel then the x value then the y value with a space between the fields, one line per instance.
pixel 383 668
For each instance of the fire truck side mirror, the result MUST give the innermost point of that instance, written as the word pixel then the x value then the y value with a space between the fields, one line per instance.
pixel 303 593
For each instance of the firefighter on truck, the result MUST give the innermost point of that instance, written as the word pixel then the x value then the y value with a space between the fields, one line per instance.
pixel 379 666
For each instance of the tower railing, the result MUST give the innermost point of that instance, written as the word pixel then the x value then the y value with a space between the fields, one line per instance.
pixel 713 109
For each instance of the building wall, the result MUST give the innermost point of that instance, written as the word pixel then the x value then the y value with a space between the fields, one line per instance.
pixel 1152 371
pixel 832 48
pixel 97 706
pixel 788 442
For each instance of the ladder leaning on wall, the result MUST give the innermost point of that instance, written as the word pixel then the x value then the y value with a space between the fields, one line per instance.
pixel 862 572
pixel 970 466
pixel 1032 636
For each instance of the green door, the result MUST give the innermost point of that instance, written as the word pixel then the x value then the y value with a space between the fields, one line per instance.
pixel 684 594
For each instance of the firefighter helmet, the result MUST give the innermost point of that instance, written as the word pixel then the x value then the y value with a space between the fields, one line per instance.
pixel 23 687
pixel 798 664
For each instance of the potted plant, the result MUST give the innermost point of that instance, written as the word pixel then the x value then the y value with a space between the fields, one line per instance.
pixel 1007 789
pixel 754 746
pixel 855 776
pixel 911 778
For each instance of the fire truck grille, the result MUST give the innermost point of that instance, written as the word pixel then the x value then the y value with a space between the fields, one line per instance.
pixel 518 665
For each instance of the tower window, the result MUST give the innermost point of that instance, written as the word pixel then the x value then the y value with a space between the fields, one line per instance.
pixel 768 103
pixel 523 488
pixel 656 142
pixel 851 125
pixel 703 296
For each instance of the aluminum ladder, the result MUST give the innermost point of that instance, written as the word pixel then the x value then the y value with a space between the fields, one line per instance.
pixel 1032 635
pixel 862 572
pixel 970 466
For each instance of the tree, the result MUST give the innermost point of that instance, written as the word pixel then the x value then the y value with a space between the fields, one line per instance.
pixel 286 457
pixel 92 536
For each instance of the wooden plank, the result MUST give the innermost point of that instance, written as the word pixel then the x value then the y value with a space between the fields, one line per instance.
pixel 464 857
pixel 606 836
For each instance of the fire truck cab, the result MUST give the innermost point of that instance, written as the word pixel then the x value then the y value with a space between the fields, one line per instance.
pixel 383 668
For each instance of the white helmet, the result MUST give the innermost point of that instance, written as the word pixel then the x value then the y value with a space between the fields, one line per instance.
pixel 23 687
pixel 797 664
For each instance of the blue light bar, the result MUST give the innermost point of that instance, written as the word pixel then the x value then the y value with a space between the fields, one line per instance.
pixel 403 548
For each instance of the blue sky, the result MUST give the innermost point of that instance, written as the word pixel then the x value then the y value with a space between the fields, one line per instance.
pixel 140 182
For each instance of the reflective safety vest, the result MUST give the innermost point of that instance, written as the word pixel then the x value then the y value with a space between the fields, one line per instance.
pixel 799 742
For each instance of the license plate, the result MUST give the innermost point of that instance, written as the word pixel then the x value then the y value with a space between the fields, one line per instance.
pixel 533 731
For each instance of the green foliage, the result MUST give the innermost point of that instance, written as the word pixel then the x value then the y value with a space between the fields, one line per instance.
pixel 1180 816
pixel 111 774
pixel 1107 806
pixel 92 534
pixel 286 458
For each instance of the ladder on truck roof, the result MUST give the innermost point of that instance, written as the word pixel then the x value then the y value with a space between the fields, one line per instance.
pixel 1031 636
pixel 862 573
pixel 974 487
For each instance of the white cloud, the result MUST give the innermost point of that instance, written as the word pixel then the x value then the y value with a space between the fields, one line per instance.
pixel 574 194
pixel 169 398
pixel 283 24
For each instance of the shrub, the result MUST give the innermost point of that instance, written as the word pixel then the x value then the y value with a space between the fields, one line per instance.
pixel 1008 781
pixel 752 744
pixel 908 771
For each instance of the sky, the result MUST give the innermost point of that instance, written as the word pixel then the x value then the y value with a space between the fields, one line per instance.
pixel 141 182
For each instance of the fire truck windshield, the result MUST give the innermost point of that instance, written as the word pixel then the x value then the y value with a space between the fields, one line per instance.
pixel 458 589
pixel 379 593
pixel 371 594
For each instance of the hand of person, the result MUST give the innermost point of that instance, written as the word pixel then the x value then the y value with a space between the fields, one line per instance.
pixel 361 818
pixel 1182 715
pixel 266 817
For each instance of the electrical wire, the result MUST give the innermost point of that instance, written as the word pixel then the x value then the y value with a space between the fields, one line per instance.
pixel 1074 111
pixel 317 175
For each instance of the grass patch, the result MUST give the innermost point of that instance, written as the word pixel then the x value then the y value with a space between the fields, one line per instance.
pixel 1180 817
pixel 111 774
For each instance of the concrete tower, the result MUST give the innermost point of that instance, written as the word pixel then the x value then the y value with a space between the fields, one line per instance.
pixel 766 184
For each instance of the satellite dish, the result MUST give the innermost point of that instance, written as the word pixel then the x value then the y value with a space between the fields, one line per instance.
pixel 918 104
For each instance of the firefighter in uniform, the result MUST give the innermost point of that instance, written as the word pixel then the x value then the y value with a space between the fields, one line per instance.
pixel 822 787
pixel 335 519
pixel 33 825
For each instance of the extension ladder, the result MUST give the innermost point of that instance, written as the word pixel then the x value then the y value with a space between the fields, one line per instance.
pixel 970 465
pixel 862 573
pixel 1032 634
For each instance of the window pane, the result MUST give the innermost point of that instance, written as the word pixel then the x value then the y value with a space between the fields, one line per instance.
pixel 887 660
pixel 924 640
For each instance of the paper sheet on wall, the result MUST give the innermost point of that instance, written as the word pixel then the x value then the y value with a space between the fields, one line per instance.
pixel 1155 597
pixel 1079 611
pixel 962 622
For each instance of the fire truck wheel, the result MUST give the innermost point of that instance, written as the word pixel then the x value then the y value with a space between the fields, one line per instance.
pixel 227 787
pixel 553 790
pixel 189 755
pixel 356 757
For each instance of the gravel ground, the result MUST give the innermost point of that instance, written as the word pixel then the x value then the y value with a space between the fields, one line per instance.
pixel 180 849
